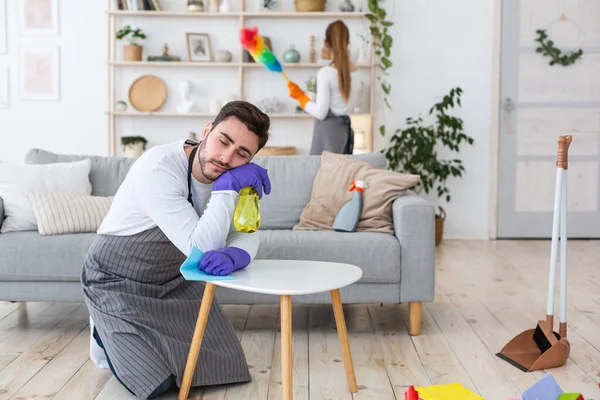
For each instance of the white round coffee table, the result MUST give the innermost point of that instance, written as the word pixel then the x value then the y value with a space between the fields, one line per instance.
pixel 284 278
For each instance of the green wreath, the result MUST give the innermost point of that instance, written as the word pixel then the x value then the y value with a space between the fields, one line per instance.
pixel 547 49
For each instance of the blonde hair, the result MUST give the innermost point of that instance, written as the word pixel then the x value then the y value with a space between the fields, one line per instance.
pixel 337 38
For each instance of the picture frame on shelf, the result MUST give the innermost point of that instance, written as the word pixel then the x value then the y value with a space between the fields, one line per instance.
pixel 39 72
pixel 199 47
pixel 269 5
pixel 4 87
pixel 38 17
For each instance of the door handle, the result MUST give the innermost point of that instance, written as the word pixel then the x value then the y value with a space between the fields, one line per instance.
pixel 508 106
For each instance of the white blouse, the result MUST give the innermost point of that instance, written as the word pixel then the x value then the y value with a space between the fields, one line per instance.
pixel 329 96
pixel 155 193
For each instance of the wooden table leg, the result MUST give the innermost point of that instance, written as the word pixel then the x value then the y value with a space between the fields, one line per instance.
pixel 340 323
pixel 190 366
pixel 286 348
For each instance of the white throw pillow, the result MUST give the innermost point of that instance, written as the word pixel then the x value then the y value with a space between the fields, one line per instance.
pixel 18 180
pixel 60 213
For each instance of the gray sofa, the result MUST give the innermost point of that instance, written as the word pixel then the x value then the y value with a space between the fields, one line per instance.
pixel 396 268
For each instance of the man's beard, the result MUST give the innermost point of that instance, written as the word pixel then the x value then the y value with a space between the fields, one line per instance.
pixel 204 162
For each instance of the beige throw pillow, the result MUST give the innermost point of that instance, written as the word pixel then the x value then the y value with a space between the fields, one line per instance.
pixel 331 190
pixel 61 213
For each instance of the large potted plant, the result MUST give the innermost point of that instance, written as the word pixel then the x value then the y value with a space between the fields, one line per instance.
pixel 133 51
pixel 415 150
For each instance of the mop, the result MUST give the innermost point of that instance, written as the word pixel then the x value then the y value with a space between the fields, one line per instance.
pixel 542 347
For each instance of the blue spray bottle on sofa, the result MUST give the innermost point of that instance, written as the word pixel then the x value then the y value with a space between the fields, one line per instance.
pixel 347 218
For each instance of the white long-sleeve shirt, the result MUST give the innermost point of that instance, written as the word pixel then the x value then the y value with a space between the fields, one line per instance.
pixel 329 96
pixel 155 193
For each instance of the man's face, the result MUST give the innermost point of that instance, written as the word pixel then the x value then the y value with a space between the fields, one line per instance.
pixel 230 144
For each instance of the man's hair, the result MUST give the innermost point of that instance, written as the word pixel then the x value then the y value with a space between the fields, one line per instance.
pixel 249 115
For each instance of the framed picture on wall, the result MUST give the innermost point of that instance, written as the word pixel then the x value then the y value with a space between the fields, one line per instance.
pixel 38 17
pixel 3 27
pixel 4 89
pixel 39 74
pixel 198 45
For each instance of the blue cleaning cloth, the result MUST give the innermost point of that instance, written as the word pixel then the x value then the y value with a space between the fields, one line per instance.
pixel 189 269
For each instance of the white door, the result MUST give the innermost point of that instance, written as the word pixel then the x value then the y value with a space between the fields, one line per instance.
pixel 539 103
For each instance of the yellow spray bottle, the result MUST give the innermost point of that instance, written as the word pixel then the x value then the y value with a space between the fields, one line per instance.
pixel 246 217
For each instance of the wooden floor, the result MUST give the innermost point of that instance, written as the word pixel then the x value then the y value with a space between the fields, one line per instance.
pixel 486 293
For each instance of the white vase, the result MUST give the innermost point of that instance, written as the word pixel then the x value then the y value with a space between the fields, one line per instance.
pixel 134 150
pixel 215 106
pixel 213 5
pixel 225 6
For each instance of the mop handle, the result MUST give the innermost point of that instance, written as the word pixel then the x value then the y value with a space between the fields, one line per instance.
pixel 563 157
pixel 561 164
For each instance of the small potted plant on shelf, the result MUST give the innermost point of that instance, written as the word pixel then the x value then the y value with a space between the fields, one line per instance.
pixel 311 88
pixel 133 146
pixel 133 51
pixel 414 150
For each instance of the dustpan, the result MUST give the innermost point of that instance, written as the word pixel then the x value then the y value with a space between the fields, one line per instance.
pixel 542 347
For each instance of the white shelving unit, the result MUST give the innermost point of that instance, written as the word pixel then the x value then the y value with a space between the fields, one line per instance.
pixel 114 64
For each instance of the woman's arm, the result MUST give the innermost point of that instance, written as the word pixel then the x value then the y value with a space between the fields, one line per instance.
pixel 320 107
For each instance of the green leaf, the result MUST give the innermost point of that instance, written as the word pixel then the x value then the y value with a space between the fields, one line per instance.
pixel 387 41
pixel 373 6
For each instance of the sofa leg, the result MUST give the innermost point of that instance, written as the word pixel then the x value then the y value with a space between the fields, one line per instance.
pixel 414 313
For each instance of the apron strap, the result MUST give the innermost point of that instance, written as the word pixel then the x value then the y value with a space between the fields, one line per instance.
pixel 189 174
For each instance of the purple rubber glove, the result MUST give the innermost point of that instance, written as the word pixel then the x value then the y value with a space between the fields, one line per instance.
pixel 224 261
pixel 247 175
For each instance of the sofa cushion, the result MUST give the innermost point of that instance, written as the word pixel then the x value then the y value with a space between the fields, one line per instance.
pixel 377 254
pixel 292 180
pixel 106 175
pixel 331 191
pixel 27 256
pixel 62 213
pixel 18 180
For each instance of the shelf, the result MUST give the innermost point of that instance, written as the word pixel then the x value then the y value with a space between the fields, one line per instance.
pixel 175 64
pixel 208 114
pixel 299 65
pixel 212 64
pixel 242 70
pixel 235 14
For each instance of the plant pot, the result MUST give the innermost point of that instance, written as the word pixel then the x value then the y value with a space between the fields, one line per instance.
pixel 134 150
pixel 439 226
pixel 133 53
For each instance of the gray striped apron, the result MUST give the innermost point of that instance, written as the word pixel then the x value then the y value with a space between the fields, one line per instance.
pixel 145 313
pixel 333 134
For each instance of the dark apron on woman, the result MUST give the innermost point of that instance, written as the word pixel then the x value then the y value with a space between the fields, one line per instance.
pixel 333 134
pixel 145 313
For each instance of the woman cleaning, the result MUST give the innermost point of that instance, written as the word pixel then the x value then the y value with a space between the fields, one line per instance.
pixel 332 129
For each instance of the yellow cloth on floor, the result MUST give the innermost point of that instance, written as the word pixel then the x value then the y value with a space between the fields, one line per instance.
pixel 453 391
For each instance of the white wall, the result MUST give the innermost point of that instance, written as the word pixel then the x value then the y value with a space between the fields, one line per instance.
pixel 438 45
pixel 76 122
